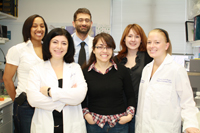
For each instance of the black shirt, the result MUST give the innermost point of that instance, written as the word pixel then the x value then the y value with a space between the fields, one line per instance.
pixel 105 91
pixel 141 60
pixel 58 116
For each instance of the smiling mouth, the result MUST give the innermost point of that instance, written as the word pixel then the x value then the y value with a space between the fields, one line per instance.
pixel 58 52
pixel 152 51
pixel 104 56
pixel 39 34
pixel 133 44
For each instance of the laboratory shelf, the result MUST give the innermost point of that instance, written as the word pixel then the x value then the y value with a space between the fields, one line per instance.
pixel 6 16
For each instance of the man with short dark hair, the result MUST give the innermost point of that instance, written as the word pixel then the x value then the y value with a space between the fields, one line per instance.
pixel 82 40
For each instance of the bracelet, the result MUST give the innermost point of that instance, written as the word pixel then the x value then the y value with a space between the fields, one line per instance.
pixel 48 91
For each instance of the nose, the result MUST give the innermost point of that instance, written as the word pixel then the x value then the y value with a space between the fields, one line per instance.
pixel 59 45
pixel 152 45
pixel 104 49
pixel 39 28
pixel 83 23
pixel 133 38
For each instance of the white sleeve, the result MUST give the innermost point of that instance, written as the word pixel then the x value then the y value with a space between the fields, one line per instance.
pixel 35 97
pixel 13 56
pixel 72 96
pixel 184 90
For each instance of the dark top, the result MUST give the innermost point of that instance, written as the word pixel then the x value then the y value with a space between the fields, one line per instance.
pixel 58 116
pixel 136 72
pixel 105 91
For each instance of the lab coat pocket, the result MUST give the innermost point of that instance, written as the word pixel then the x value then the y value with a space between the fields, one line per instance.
pixel 161 127
pixel 161 93
pixel 78 127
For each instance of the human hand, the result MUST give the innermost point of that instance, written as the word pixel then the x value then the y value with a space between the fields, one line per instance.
pixel 44 89
pixel 192 130
pixel 74 86
pixel 125 119
pixel 89 119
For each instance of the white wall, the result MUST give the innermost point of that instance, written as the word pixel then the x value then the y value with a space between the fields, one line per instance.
pixel 56 13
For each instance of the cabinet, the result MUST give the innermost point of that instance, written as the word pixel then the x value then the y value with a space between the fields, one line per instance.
pixel 192 11
pixel 4 16
pixel 6 111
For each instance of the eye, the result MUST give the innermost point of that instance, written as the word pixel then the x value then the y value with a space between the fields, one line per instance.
pixel 148 42
pixel 87 20
pixel 80 19
pixel 54 41
pixel 64 43
pixel 157 42
pixel 108 48
pixel 138 36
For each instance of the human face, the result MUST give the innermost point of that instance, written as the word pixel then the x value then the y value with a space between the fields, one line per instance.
pixel 157 45
pixel 37 29
pixel 102 52
pixel 132 40
pixel 82 27
pixel 58 47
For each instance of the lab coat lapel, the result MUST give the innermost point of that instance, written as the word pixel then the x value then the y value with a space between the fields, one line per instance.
pixel 168 59
pixel 66 75
pixel 50 78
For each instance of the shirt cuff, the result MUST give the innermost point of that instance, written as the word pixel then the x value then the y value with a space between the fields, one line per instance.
pixel 85 111
pixel 130 110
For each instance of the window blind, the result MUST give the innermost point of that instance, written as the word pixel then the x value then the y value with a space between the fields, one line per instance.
pixel 150 14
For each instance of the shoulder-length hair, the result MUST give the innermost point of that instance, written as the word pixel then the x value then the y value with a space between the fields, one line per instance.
pixel 138 29
pixel 26 30
pixel 69 56
pixel 105 38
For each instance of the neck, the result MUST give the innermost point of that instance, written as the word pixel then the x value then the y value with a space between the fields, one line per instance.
pixel 36 43
pixel 102 65
pixel 159 61
pixel 132 52
pixel 82 36
pixel 56 63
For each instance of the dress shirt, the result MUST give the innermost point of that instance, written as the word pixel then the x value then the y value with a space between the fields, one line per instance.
pixel 77 45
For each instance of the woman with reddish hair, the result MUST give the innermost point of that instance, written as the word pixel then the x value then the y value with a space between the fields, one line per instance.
pixel 133 55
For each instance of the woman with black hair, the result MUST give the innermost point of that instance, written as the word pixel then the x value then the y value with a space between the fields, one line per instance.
pixel 19 60
pixel 104 108
pixel 56 87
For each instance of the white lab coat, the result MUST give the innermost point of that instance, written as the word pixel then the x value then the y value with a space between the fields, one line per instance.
pixel 165 99
pixel 44 75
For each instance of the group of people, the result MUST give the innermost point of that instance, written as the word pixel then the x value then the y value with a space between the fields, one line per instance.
pixel 75 84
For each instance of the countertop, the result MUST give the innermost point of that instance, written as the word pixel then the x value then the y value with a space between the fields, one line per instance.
pixel 6 101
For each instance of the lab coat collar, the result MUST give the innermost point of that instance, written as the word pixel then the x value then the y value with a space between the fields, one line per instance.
pixel 48 67
pixel 168 59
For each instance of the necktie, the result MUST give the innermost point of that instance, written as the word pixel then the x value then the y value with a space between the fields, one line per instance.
pixel 82 55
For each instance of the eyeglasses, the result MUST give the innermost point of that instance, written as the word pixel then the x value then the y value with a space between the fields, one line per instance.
pixel 102 48
pixel 82 19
